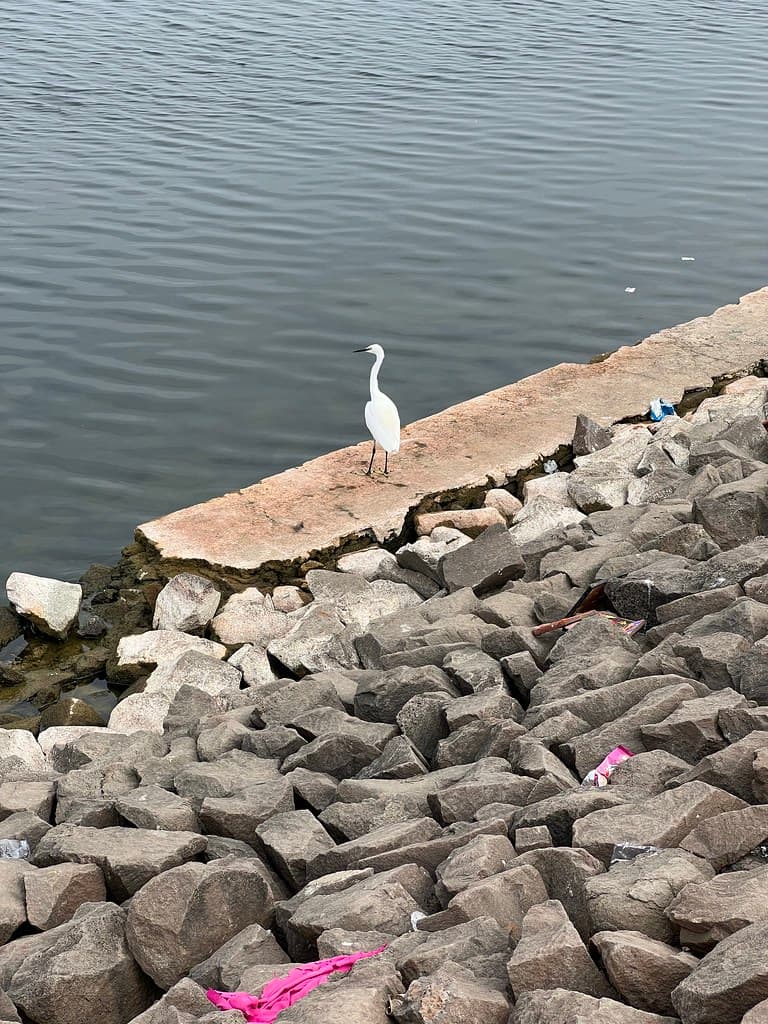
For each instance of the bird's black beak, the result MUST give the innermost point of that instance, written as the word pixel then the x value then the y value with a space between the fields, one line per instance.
pixel 360 350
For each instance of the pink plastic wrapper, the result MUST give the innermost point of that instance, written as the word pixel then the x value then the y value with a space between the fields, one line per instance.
pixel 599 776
pixel 280 993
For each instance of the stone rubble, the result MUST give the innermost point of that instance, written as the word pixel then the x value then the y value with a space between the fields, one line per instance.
pixel 388 754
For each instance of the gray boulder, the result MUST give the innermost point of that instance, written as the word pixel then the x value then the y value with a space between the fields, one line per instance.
pixel 187 603
pixel 181 918
pixel 87 963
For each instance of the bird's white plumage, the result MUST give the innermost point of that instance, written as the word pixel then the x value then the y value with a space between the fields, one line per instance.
pixel 383 421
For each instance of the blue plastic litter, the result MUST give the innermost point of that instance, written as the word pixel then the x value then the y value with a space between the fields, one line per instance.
pixel 661 408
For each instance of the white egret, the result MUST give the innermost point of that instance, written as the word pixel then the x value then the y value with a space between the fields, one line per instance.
pixel 381 415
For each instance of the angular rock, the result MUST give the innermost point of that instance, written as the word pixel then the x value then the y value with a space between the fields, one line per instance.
pixel 291 841
pixel 449 996
pixel 151 807
pixel 87 963
pixel 487 563
pixel 560 813
pixel 422 720
pixel 180 918
pixel 542 516
pixel 222 970
pixel 691 731
pixel 147 650
pixel 648 773
pixel 481 857
pixel 480 945
pixel 557 1006
pixel 462 800
pixel 286 699
pixel 187 603
pixel 472 671
pixel 661 821
pixel 425 555
pixel 36 797
pixel 323 720
pixel 380 902
pixel 550 953
pixel 735 513
pixel 589 436
pixel 254 665
pixel 635 894
pixel 380 699
pixel 339 754
pixel 729 769
pixel 20 749
pixel 643 971
pixel 54 894
pixel 471 521
pixel 13 912
pixel 239 815
pixel 129 857
pixel 315 643
pixel 707 912
pixel 565 872
pixel 398 760
pixel 726 838
pixel 503 502
pixel 193 668
pixel 51 605
pixel 247 618
pixel 376 842
pixel 728 981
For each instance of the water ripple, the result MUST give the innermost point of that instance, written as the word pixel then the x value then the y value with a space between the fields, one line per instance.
pixel 203 210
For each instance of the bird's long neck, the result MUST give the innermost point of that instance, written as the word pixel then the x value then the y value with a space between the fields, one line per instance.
pixel 375 374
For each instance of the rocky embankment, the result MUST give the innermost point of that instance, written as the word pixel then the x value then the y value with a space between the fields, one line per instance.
pixel 396 754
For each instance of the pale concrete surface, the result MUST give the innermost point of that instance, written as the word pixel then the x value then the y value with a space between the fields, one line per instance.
pixel 483 442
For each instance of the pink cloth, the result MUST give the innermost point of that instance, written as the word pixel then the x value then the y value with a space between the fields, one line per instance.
pixel 280 993
pixel 599 776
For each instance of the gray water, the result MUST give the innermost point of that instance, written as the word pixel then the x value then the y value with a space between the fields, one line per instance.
pixel 205 207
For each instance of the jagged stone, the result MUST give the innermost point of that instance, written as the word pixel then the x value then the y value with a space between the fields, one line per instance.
pixel 449 996
pixel 735 513
pixel 485 564
pixel 728 981
pixel 382 698
pixel 662 820
pixel 480 945
pixel 707 912
pixel 180 918
pixel 51 605
pixel 729 769
pixel 129 857
pixel 481 857
pixel 557 1006
pixel 565 872
pixel 54 894
pixel 85 963
pixel 291 841
pixel 550 953
pixel 560 812
pixel 648 773
pixel 635 894
pixel 187 603
pixel 643 971
pixel 316 643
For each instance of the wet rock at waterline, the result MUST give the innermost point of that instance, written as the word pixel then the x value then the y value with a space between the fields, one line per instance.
pixel 50 605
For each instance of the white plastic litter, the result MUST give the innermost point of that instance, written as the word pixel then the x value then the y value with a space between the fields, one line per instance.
pixel 14 849
pixel 630 291
pixel 688 259
pixel 416 916
pixel 550 466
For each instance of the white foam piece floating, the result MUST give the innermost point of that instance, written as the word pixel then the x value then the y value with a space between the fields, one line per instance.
pixel 630 290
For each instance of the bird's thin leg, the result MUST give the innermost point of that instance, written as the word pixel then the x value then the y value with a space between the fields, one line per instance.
pixel 368 472
pixel 386 457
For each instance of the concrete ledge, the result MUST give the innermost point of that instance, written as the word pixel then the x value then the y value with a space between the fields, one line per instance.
pixel 329 504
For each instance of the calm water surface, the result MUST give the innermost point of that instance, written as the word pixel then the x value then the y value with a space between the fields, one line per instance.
pixel 205 207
